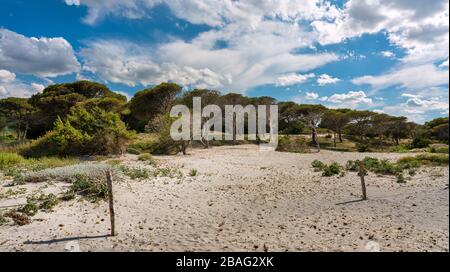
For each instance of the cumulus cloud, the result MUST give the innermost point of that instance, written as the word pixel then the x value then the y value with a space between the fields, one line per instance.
pixel 44 57
pixel 352 99
pixel 421 30
pixel 325 79
pixel 417 107
pixel 6 76
pixel 444 64
pixel 253 57
pixel 10 86
pixel 292 79
pixel 311 96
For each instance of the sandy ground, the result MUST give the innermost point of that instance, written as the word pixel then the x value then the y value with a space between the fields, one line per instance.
pixel 246 200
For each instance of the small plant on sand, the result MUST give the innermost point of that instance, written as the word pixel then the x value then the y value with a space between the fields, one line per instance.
pixel 93 190
pixel 168 172
pixel 333 169
pixel 193 172
pixel 43 202
pixel 328 170
pixel 147 157
pixel 47 202
pixel 318 165
pixel 135 173
pixel 31 207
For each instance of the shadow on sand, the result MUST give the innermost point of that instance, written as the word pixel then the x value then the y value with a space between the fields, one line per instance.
pixel 351 201
pixel 67 239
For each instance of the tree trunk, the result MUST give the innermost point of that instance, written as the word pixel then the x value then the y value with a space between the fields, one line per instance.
pixel 315 138
pixel 334 139
pixel 340 136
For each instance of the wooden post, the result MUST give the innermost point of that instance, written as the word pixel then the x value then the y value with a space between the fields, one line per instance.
pixel 111 202
pixel 362 173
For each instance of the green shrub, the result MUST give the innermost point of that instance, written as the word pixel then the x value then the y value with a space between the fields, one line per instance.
pixel 31 207
pixel 34 204
pixel 47 202
pixel 93 132
pixel 332 169
pixel 420 142
pixel 400 149
pixel 363 147
pixel 93 190
pixel 327 170
pixel 318 165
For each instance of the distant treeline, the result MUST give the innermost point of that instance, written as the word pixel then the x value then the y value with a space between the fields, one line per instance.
pixel 66 116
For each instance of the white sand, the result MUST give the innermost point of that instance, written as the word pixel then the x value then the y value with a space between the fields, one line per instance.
pixel 246 200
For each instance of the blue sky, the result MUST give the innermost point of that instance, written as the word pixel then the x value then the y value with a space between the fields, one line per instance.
pixel 388 56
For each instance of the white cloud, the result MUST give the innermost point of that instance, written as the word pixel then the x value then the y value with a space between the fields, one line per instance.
pixel 44 57
pixel 420 29
pixel 416 107
pixel 387 54
pixel 291 79
pixel 211 12
pixel 37 87
pixel 311 96
pixel 10 86
pixel 325 79
pixel 444 64
pixel 352 99
pixel 7 76
pixel 253 57
pixel 411 77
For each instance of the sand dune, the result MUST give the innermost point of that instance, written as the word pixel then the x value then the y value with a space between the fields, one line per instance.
pixel 246 200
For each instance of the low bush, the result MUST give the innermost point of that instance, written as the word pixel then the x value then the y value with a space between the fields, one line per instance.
pixel 92 189
pixel 363 147
pixel 420 142
pixel 43 202
pixel 328 170
pixel 318 165
pixel 84 132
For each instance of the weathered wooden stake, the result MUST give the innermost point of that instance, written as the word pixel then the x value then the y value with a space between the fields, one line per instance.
pixel 111 202
pixel 362 173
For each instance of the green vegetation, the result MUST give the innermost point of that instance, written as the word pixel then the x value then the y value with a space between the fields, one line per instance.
pixel 328 170
pixel 385 167
pixel 135 173
pixel 147 157
pixel 193 172
pixel 87 187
